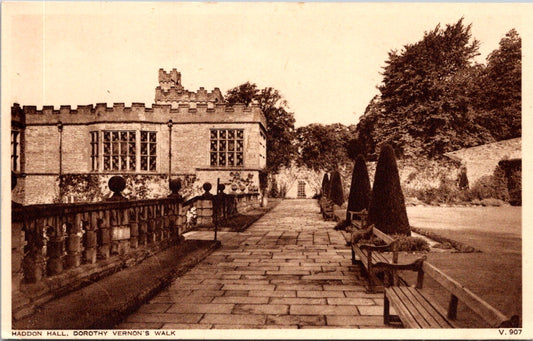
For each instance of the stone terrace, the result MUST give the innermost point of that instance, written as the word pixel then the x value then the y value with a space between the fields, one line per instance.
pixel 290 269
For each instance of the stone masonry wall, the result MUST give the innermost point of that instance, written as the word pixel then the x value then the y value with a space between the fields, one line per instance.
pixel 190 148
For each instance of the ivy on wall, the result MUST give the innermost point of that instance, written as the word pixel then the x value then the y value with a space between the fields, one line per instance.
pixel 93 187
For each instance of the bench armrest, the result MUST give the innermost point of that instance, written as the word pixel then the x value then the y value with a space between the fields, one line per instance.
pixel 357 235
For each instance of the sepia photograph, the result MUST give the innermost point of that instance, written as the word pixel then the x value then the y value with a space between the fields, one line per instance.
pixel 257 170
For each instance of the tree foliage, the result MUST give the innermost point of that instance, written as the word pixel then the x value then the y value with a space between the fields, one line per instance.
pixel 435 98
pixel 500 100
pixel 280 122
pixel 324 147
pixel 387 206
pixel 359 197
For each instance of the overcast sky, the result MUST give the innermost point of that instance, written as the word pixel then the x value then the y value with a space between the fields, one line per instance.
pixel 324 58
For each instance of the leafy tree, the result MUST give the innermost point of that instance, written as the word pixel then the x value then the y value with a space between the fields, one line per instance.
pixel 359 197
pixel 336 193
pixel 387 206
pixel 245 93
pixel 280 122
pixel 425 103
pixel 369 130
pixel 501 91
pixel 324 147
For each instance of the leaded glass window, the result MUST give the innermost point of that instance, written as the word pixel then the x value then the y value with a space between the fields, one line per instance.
pixel 148 150
pixel 227 147
pixel 119 149
pixel 94 151
pixel 15 150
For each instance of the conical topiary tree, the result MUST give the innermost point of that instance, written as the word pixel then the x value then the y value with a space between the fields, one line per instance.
pixel 325 186
pixel 336 194
pixel 359 197
pixel 387 206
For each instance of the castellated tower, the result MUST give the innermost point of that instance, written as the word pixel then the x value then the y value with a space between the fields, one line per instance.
pixel 58 153
pixel 171 80
pixel 170 91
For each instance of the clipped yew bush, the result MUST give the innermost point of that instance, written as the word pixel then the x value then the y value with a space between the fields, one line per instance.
pixel 336 193
pixel 387 206
pixel 359 197
pixel 325 186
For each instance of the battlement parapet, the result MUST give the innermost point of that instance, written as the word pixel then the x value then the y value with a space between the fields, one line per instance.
pixel 17 115
pixel 158 112
pixel 179 95
pixel 173 76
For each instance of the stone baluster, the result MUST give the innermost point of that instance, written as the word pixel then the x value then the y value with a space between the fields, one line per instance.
pixel 33 263
pixel 55 246
pixel 143 225
pixel 182 218
pixel 165 220
pixel 151 224
pixel 172 220
pixel 165 211
pixel 123 231
pixel 74 234
pixel 114 223
pixel 176 220
pixel 17 254
pixel 134 227
pixel 158 225
pixel 90 238
pixel 104 234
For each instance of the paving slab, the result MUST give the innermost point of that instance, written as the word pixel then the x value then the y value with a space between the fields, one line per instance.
pixel 290 269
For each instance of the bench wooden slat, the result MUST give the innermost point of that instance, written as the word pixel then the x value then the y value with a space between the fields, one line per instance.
pixel 492 316
pixel 376 257
pixel 405 315
pixel 418 312
pixel 433 312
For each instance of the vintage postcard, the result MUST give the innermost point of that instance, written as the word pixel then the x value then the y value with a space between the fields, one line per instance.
pixel 265 170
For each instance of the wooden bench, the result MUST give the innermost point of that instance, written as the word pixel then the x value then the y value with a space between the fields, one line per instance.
pixel 326 208
pixel 369 254
pixel 358 219
pixel 416 309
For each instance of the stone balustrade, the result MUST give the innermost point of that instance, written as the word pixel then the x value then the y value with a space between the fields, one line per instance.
pixel 58 247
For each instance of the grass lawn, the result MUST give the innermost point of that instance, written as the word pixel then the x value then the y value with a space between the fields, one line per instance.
pixel 495 274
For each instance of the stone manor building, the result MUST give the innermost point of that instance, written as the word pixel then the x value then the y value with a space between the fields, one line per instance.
pixel 68 155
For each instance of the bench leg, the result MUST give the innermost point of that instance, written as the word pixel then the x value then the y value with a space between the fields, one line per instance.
pixel 353 257
pixel 370 274
pixel 386 310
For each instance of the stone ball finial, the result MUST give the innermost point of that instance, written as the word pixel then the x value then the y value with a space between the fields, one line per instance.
pixel 117 184
pixel 207 187
pixel 174 185
pixel 221 188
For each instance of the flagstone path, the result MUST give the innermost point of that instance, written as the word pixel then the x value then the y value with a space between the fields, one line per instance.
pixel 290 269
